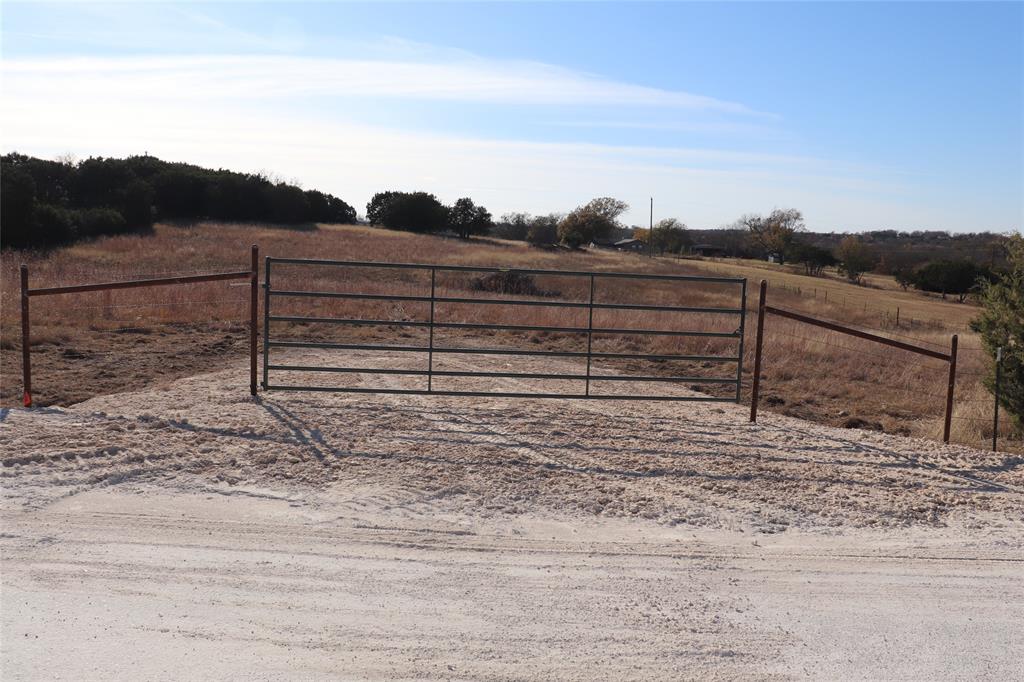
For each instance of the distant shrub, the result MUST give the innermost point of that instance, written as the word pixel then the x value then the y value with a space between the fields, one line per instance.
pixel 510 283
pixel 814 258
pixel 93 222
pixel 959 277
pixel 52 225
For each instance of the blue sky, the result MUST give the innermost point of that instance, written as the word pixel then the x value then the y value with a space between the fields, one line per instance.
pixel 862 115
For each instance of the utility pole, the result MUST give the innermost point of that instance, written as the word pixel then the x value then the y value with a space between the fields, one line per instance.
pixel 650 233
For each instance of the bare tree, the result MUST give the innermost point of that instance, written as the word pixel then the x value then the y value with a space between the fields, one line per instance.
pixel 775 233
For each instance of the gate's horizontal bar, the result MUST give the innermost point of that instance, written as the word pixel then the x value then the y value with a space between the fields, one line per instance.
pixel 858 333
pixel 336 320
pixel 501 301
pixel 344 294
pixel 489 394
pixel 133 283
pixel 474 268
pixel 496 351
pixel 503 327
pixel 498 375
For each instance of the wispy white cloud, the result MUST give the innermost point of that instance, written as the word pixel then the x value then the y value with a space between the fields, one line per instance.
pixel 261 77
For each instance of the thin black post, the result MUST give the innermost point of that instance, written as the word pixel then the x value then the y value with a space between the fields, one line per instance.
pixel 758 344
pixel 254 303
pixel 743 318
pixel 266 322
pixel 430 352
pixel 590 332
pixel 26 352
pixel 995 411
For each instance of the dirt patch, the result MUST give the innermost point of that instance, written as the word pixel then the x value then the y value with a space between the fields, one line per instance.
pixel 694 464
pixel 72 365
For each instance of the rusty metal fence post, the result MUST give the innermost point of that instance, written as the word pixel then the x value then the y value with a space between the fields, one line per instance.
pixel 26 355
pixel 758 345
pixel 949 389
pixel 266 320
pixel 254 302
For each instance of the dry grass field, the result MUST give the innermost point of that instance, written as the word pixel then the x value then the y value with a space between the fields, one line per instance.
pixel 93 344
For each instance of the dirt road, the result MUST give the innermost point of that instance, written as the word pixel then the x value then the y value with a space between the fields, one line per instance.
pixel 191 532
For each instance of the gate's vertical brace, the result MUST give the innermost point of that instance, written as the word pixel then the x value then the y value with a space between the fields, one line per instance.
pixel 758 345
pixel 743 320
pixel 949 388
pixel 254 304
pixel 266 321
pixel 430 345
pixel 26 353
pixel 590 332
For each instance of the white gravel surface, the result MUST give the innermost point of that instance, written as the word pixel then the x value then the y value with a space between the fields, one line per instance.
pixel 192 532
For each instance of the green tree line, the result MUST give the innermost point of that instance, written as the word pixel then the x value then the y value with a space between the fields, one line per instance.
pixel 48 203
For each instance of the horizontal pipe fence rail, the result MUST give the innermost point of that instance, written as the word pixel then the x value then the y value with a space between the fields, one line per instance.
pixel 431 300
pixel 763 309
pixel 252 274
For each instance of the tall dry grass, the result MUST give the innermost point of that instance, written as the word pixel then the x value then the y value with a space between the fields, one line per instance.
pixel 808 372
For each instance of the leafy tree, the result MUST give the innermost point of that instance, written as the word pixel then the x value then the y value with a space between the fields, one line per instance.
pixel 288 204
pixel 855 258
pixel 958 277
pixel 814 258
pixel 904 277
pixel 1001 324
pixel 325 208
pixel 179 194
pixel 138 205
pixel 776 233
pixel 17 207
pixel 543 230
pixel 596 220
pixel 466 218
pixel 413 211
pixel 513 226
pixel 670 235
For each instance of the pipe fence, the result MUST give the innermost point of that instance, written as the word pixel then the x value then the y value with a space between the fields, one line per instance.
pixel 27 293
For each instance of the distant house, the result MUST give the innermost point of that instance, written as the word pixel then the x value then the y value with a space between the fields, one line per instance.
pixel 708 250
pixel 634 245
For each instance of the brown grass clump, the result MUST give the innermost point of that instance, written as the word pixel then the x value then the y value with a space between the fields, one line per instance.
pixel 808 372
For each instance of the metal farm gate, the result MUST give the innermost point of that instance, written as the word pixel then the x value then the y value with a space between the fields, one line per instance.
pixel 432 305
